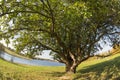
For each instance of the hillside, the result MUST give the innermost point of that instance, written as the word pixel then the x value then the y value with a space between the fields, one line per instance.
pixel 12 52
pixel 100 69
pixel 115 50
pixel 10 71
pixel 97 69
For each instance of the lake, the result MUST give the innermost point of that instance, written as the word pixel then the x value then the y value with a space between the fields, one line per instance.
pixel 34 62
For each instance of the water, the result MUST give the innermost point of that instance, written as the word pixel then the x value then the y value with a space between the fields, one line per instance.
pixel 14 59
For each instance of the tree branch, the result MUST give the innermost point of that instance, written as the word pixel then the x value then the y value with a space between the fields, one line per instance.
pixel 2 8
pixel 20 29
pixel 45 46
pixel 52 16
pixel 60 42
pixel 35 12
pixel 114 33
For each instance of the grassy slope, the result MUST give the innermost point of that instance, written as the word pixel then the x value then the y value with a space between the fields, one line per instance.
pixel 9 71
pixel 93 69
pixel 100 69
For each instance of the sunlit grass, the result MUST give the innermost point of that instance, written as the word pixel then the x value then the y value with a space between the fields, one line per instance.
pixel 9 71
pixel 93 69
pixel 100 69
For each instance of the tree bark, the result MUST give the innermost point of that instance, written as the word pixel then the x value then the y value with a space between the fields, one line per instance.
pixel 71 68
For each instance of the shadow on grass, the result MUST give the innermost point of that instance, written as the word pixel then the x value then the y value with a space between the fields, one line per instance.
pixel 56 74
pixel 107 70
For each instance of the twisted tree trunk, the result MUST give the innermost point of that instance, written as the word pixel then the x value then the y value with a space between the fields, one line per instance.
pixel 71 67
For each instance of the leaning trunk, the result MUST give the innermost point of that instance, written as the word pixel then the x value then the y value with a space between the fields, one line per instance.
pixel 71 68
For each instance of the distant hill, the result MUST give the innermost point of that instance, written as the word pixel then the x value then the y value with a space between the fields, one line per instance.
pixel 12 52
pixel 100 69
pixel 115 49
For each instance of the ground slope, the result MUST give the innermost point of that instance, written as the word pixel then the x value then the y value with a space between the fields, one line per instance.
pixel 10 71
pixel 93 69
pixel 100 69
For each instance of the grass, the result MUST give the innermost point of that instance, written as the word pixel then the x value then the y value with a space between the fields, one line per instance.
pixel 10 71
pixel 101 69
pixel 93 69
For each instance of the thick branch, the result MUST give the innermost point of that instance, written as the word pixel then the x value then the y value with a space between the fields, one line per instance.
pixel 72 56
pixel 60 42
pixel 52 16
pixel 60 60
pixel 84 59
pixel 50 48
pixel 45 46
pixel 19 29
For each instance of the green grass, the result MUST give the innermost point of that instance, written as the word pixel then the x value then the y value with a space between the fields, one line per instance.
pixel 100 69
pixel 93 69
pixel 9 71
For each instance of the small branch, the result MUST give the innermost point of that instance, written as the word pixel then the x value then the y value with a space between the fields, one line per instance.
pixel 24 12
pixel 60 60
pixel 2 8
pixel 114 33
pixel 45 46
pixel 44 4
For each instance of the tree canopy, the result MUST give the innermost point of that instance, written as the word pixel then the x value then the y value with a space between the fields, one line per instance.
pixel 71 29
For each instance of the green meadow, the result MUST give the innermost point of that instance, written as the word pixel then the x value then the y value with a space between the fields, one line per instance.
pixel 107 68
pixel 11 71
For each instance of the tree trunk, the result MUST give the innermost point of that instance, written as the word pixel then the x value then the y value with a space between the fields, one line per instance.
pixel 71 68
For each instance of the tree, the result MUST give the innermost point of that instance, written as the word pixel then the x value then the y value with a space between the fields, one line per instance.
pixel 72 30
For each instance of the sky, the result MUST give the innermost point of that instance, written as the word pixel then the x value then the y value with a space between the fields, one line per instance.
pixel 105 48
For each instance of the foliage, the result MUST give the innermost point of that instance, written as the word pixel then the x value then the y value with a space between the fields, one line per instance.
pixel 71 29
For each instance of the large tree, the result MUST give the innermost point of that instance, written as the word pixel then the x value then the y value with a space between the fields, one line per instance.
pixel 73 30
